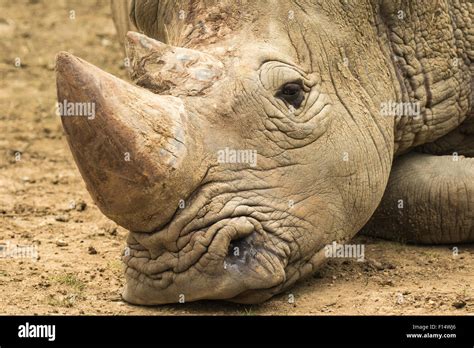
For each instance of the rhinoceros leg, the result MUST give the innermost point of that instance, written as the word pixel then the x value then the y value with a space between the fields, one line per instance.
pixel 429 199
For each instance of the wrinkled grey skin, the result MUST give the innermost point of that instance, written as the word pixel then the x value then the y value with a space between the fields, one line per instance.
pixel 322 169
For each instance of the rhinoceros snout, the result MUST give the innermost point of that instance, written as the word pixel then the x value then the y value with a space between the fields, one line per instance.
pixel 137 151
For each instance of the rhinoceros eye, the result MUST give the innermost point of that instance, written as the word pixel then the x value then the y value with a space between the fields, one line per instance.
pixel 292 93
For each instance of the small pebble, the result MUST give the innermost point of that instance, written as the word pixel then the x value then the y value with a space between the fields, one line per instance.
pixel 81 206
pixel 459 304
pixel 61 243
pixel 62 218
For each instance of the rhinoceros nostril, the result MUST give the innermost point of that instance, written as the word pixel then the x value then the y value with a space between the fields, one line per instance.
pixel 241 250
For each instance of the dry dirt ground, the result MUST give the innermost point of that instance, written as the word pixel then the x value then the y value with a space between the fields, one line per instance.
pixel 79 270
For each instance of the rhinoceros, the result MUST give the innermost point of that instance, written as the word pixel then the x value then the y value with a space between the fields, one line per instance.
pixel 257 133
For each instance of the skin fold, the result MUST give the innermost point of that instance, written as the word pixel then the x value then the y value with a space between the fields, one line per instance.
pixel 435 188
pixel 301 84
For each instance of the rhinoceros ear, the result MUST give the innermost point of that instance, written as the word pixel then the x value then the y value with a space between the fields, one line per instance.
pixel 167 69
pixel 144 15
pixel 141 15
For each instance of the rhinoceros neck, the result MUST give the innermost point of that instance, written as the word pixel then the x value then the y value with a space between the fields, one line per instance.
pixel 430 49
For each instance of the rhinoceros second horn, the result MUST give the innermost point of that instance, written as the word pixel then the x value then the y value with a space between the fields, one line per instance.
pixel 137 145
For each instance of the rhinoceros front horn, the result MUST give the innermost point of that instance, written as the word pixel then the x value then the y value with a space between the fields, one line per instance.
pixel 138 152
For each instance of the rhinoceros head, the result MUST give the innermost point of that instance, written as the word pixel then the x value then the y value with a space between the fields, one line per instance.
pixel 248 141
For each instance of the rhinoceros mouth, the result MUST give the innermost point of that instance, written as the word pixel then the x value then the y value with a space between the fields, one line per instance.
pixel 218 258
pixel 234 242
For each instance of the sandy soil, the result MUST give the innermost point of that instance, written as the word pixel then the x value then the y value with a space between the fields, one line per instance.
pixel 79 270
